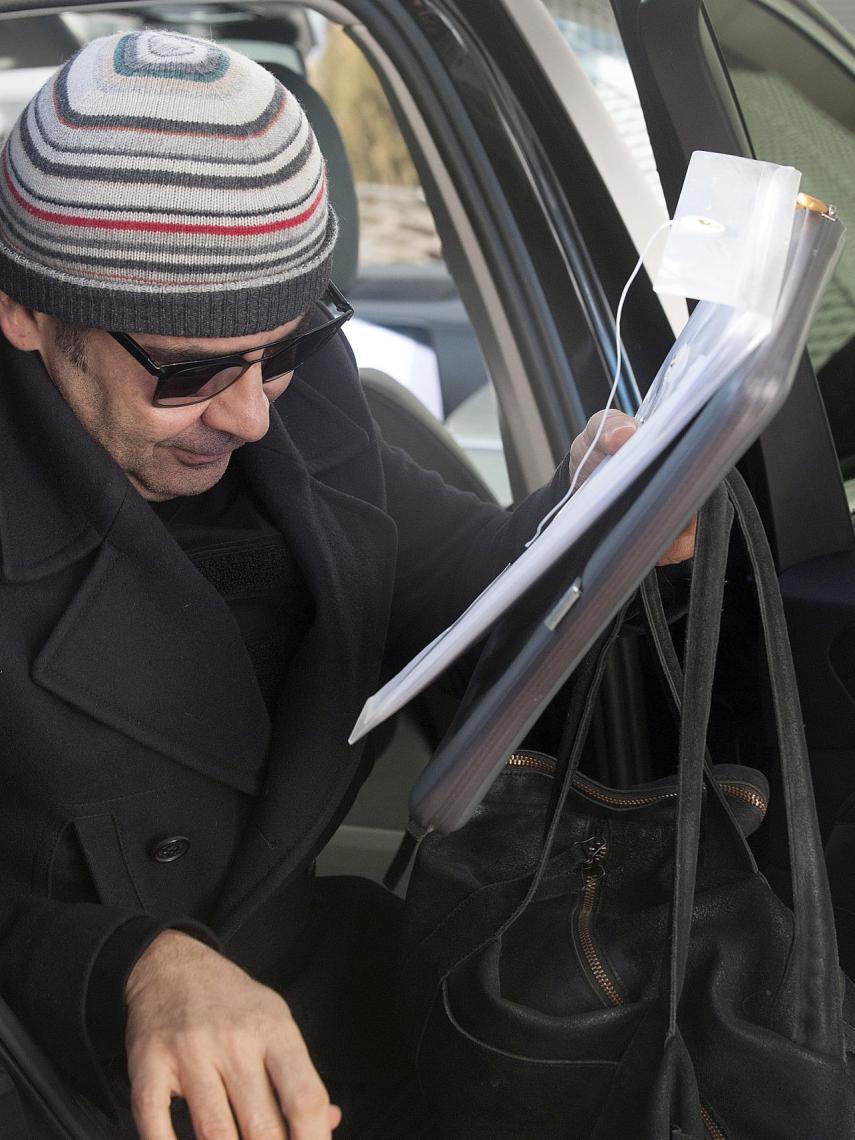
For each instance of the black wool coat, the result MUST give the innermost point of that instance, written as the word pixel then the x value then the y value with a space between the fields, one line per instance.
pixel 129 708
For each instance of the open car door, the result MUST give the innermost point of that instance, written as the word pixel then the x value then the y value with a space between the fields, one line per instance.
pixel 775 80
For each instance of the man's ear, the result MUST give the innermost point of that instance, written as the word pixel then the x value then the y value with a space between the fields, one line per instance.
pixel 21 326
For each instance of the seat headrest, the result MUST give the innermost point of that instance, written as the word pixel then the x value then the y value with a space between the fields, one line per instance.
pixel 342 191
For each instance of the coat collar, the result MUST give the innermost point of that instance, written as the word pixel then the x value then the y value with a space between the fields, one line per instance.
pixel 147 646
pixel 59 492
pixel 346 547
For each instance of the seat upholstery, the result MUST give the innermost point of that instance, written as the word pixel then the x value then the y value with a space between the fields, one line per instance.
pixel 342 191
pixel 406 423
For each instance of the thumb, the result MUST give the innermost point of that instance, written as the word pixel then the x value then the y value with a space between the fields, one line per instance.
pixel 613 438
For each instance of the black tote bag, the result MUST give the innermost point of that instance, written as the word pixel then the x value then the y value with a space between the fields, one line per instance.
pixel 592 964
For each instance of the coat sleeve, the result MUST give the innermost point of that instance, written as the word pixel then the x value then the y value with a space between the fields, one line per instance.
pixel 450 545
pixel 63 971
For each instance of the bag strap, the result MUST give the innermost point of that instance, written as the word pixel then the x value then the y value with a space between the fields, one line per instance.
pixel 580 713
pixel 702 632
pixel 816 1020
pixel 669 662
pixel 496 906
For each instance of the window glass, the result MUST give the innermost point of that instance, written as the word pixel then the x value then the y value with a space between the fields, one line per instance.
pixel 589 27
pixel 590 30
pixel 410 323
pixel 795 81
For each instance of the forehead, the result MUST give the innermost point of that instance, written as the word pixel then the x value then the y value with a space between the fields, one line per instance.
pixel 166 349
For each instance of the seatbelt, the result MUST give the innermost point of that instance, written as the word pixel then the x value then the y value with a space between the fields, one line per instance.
pixel 13 1126
pixel 57 1111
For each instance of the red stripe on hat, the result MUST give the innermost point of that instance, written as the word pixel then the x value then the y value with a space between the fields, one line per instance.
pixel 160 227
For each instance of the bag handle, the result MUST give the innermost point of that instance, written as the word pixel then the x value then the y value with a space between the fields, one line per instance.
pixel 816 1020
pixel 702 633
pixel 669 662
pixel 577 725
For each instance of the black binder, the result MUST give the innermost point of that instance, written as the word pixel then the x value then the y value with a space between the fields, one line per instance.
pixel 543 636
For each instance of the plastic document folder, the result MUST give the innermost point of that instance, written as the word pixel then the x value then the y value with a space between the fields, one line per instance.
pixel 720 385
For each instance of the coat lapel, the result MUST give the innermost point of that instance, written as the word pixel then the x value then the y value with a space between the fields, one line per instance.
pixel 302 472
pixel 142 642
pixel 145 645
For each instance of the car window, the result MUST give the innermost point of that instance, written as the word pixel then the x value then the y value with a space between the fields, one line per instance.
pixel 796 88
pixel 589 27
pixel 410 323
pixel 590 30
pixel 407 305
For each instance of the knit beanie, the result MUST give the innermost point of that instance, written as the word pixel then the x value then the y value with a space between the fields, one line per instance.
pixel 161 183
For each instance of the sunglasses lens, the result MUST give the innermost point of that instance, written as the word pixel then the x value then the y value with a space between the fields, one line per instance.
pixel 193 385
pixel 291 356
pixel 278 363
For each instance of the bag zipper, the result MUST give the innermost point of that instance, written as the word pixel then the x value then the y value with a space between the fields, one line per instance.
pixel 710 1126
pixel 615 797
pixel 595 849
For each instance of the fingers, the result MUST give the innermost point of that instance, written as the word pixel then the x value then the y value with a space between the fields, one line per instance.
pixel 208 1101
pixel 152 1089
pixel 253 1103
pixel 233 1091
pixel 237 1104
pixel 617 429
pixel 202 1029
pixel 302 1095
pixel 683 546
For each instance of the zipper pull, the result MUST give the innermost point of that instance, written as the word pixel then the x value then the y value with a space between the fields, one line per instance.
pixel 594 850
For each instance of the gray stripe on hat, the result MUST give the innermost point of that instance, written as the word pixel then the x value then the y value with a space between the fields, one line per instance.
pixel 56 238
pixel 162 176
pixel 179 267
pixel 107 139
pixel 240 311
pixel 76 119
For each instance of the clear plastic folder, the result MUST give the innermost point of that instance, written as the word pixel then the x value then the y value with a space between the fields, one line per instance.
pixel 720 385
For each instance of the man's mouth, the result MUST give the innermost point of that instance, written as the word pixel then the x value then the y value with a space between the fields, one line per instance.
pixel 199 458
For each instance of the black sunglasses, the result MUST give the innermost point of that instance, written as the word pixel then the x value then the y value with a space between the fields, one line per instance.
pixel 192 381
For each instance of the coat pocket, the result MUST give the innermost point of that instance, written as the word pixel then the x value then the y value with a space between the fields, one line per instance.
pixel 105 857
pixel 166 851
pixel 88 864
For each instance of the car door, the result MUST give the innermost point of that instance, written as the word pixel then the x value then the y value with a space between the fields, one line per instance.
pixel 777 81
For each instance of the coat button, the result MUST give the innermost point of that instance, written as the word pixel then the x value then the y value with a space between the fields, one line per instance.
pixel 169 849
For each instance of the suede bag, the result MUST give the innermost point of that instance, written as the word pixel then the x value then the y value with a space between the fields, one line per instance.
pixel 600 964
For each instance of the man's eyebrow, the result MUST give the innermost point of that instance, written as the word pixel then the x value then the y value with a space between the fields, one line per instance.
pixel 176 355
pixel 199 352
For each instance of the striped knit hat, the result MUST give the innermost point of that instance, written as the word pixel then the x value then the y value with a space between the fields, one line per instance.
pixel 161 183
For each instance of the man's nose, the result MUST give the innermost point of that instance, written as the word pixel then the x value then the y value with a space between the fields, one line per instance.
pixel 243 409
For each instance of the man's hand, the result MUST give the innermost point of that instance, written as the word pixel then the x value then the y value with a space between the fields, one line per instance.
pixel 202 1029
pixel 618 429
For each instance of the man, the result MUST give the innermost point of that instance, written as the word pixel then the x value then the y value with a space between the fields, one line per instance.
pixel 198 592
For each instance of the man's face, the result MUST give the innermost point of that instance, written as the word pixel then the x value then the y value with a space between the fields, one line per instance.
pixel 165 452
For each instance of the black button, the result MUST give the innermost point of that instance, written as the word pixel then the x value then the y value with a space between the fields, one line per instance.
pixel 169 849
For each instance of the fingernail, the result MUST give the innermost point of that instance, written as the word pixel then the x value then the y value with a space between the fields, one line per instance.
pixel 611 436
